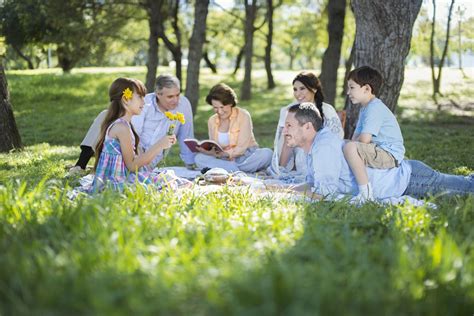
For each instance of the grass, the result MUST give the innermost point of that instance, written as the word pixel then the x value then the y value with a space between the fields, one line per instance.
pixel 228 251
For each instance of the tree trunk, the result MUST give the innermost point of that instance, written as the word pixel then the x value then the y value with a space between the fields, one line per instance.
pixel 238 60
pixel 268 47
pixel 209 63
pixel 382 41
pixel 26 58
pixel 436 79
pixel 432 65
pixel 10 137
pixel 332 55
pixel 65 61
pixel 292 59
pixel 250 15
pixel 348 66
pixel 174 48
pixel 196 43
pixel 153 9
pixel 177 51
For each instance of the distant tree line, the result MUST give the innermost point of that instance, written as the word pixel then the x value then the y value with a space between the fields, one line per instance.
pixel 269 34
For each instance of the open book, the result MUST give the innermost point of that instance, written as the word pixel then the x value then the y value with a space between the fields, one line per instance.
pixel 206 144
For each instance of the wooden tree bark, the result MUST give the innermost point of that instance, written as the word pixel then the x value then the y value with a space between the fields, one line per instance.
pixel 268 47
pixel 195 52
pixel 336 14
pixel 23 56
pixel 209 62
pixel 436 79
pixel 153 9
pixel 177 51
pixel 174 48
pixel 382 41
pixel 250 16
pixel 238 60
pixel 10 138
pixel 348 67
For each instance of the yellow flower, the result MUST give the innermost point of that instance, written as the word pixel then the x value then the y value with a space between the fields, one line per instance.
pixel 180 117
pixel 170 116
pixel 127 94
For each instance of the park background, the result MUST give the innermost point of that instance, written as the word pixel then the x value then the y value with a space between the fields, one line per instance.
pixel 229 252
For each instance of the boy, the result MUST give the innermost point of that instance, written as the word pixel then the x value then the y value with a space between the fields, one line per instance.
pixel 377 140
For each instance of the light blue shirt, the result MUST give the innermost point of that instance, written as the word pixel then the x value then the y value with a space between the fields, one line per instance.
pixel 329 174
pixel 152 125
pixel 376 119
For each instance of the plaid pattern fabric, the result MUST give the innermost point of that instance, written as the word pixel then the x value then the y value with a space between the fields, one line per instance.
pixel 112 172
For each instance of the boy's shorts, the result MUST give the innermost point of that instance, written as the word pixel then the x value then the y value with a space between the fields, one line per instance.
pixel 375 157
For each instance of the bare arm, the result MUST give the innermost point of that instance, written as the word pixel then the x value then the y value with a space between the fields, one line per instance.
pixel 365 138
pixel 285 154
pixel 134 162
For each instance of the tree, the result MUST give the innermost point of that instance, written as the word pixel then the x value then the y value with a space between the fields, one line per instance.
pixel 196 44
pixel 208 62
pixel 10 137
pixel 22 23
pixel 172 10
pixel 238 60
pixel 436 79
pixel 383 34
pixel 268 46
pixel 223 39
pixel 75 25
pixel 250 16
pixel 336 14
pixel 300 35
pixel 154 12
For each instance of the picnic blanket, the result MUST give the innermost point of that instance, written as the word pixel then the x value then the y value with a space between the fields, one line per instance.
pixel 257 183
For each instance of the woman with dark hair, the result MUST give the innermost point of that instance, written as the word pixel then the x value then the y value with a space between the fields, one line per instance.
pixel 291 162
pixel 231 127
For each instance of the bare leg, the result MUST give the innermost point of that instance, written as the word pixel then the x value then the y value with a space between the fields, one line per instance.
pixel 355 163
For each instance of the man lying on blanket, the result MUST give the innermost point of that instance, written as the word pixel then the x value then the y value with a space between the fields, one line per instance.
pixel 329 174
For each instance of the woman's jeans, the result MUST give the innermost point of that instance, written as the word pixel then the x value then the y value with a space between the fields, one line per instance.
pixel 252 160
pixel 426 181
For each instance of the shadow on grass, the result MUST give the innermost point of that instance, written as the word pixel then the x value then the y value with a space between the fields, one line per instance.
pixel 362 261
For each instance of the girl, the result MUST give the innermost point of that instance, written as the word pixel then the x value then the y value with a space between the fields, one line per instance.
pixel 231 127
pixel 290 163
pixel 118 161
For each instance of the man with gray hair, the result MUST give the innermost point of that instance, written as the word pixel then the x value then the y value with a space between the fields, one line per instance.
pixel 152 123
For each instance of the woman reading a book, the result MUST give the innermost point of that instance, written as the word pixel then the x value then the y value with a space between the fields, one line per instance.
pixel 231 127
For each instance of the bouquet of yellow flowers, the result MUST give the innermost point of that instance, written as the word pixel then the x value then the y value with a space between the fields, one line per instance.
pixel 174 117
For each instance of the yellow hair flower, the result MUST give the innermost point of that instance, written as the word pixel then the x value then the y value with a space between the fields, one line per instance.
pixel 180 117
pixel 127 94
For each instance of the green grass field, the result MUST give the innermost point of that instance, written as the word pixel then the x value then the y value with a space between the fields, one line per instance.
pixel 228 252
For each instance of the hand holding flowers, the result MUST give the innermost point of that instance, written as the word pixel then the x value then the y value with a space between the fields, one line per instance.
pixel 174 117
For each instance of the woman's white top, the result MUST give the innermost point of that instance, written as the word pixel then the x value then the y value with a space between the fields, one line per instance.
pixel 223 139
pixel 298 158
